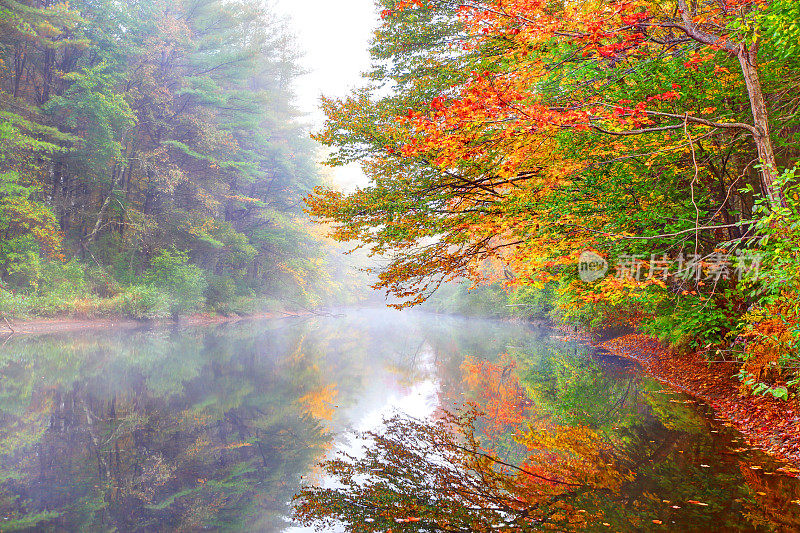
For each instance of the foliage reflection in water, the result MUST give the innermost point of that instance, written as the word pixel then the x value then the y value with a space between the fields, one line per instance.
pixel 212 428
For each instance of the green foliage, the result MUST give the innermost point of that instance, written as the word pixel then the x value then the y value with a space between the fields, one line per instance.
pixel 14 305
pixel 101 283
pixel 543 137
pixel 28 522
pixel 464 299
pixel 692 323
pixel 778 243
pixel 220 293
pixel 65 279
pixel 184 282
pixel 759 388
pixel 52 304
pixel 29 228
pixel 130 127
pixel 531 301
pixel 20 135
pixel 780 24
pixel 142 302
pixel 94 110
pixel 767 338
pixel 21 262
pixel 526 302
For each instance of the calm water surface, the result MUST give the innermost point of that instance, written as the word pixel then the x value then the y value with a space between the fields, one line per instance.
pixel 216 427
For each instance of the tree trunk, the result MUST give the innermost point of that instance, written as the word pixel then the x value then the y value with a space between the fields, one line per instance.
pixel 114 184
pixel 19 68
pixel 57 186
pixel 766 155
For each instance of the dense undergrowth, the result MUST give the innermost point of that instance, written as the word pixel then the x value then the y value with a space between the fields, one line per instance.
pixel 754 321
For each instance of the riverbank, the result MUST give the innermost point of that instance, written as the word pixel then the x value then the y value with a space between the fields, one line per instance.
pixel 38 326
pixel 767 423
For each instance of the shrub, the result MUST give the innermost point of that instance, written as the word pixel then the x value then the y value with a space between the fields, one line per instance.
pixel 101 283
pixel 464 299
pixel 141 302
pixel 530 302
pixel 63 280
pixel 14 305
pixel 184 282
pixel 22 263
pixel 51 304
pixel 126 267
pixel 220 293
pixel 768 342
pixel 251 305
pixel 88 307
pixel 697 324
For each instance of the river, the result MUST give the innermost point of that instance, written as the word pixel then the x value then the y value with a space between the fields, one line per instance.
pixel 216 427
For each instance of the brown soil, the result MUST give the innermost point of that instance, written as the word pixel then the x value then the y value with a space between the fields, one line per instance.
pixel 767 423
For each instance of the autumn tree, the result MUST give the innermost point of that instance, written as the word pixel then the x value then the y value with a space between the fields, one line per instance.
pixel 633 129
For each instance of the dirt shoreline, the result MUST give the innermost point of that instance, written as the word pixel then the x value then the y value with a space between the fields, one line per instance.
pixel 40 326
pixel 767 423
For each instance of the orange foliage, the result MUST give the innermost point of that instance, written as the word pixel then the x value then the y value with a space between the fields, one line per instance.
pixel 499 393
pixel 771 335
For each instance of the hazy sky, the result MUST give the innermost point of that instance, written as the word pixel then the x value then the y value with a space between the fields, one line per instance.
pixel 335 36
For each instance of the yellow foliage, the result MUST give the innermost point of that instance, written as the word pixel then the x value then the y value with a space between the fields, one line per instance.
pixel 319 402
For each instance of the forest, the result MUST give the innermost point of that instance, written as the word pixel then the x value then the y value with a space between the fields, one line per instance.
pixel 564 297
pixel 151 160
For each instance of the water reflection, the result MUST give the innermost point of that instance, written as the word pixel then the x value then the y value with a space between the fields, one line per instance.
pixel 157 430
pixel 212 427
